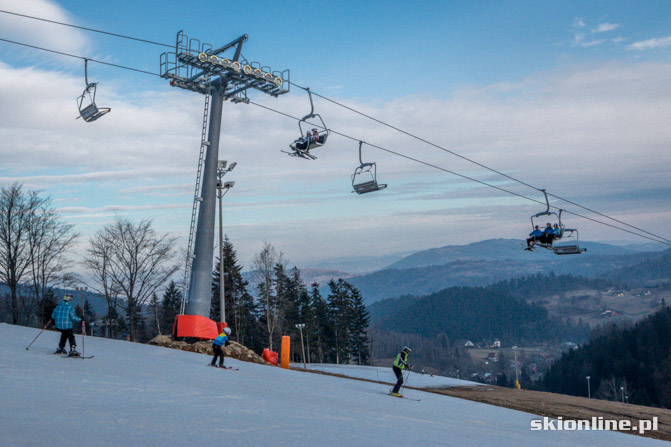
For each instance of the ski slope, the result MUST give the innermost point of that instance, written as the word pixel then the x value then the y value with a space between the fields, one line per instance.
pixel 140 395
pixel 381 374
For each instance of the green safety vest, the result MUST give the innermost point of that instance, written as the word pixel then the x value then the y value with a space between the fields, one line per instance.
pixel 400 363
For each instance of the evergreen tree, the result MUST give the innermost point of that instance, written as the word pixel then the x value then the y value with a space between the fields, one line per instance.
pixel 318 329
pixel 170 304
pixel 358 326
pixel 339 314
pixel 48 304
pixel 155 312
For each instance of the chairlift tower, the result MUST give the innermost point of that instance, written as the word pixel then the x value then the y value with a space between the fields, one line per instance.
pixel 203 69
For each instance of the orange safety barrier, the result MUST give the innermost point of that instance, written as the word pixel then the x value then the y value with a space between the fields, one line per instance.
pixel 194 326
pixel 270 356
pixel 286 351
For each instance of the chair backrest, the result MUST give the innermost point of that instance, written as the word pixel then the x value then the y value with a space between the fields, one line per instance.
pixel 88 112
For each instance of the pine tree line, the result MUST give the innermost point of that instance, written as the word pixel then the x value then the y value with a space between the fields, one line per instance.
pixel 335 328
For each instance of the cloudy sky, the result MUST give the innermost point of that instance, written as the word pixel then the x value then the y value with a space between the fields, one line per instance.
pixel 569 96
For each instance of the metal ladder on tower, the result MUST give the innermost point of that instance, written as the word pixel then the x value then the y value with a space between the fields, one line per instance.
pixel 197 198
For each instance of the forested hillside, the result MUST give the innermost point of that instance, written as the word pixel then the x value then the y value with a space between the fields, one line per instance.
pixel 631 364
pixel 470 272
pixel 541 285
pixel 478 314
pixel 647 273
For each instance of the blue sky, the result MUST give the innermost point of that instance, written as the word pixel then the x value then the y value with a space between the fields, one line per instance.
pixel 569 96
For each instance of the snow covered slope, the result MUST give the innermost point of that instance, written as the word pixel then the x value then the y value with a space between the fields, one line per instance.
pixel 381 374
pixel 139 395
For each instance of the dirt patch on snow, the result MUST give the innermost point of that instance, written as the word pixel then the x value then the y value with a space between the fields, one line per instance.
pixel 568 407
pixel 233 350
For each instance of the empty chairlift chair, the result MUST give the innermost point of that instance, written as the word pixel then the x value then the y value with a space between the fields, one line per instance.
pixel 570 243
pixel 88 110
pixel 364 179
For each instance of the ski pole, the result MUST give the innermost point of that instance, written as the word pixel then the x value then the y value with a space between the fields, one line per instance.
pixel 81 289
pixel 45 326
pixel 405 382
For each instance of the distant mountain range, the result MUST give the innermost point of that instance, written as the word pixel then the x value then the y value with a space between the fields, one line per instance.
pixel 486 262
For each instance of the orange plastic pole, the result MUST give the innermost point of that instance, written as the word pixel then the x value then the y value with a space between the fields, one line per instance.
pixel 286 351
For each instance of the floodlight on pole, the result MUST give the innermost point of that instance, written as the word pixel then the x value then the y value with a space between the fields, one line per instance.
pixel 222 189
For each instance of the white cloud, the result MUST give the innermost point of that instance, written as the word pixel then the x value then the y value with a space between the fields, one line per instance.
pixel 605 27
pixel 39 33
pixel 661 42
pixel 588 38
pixel 577 131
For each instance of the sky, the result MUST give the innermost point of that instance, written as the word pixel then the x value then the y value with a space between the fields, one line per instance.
pixel 568 96
pixel 164 396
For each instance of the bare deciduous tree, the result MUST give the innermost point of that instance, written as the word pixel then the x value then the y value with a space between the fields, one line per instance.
pixel 17 209
pixel 132 261
pixel 98 262
pixel 48 239
pixel 264 269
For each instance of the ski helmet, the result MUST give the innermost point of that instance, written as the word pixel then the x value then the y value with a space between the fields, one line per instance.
pixel 227 330
pixel 406 349
pixel 67 297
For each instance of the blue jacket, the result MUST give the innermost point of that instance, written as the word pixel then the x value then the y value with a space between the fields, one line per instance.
pixel 536 233
pixel 63 315
pixel 221 339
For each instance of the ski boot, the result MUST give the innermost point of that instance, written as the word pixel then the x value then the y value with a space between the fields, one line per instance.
pixel 396 394
pixel 73 353
pixel 60 351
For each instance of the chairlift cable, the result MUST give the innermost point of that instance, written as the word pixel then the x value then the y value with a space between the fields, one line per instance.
pixel 80 57
pixel 659 239
pixel 476 162
pixel 321 96
pixel 87 29
pixel 653 237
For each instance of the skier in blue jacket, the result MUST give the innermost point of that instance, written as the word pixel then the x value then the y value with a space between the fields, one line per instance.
pixel 63 316
pixel 534 236
pixel 221 340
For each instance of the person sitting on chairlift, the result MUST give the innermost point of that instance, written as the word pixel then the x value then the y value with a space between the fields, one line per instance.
pixel 303 143
pixel 556 231
pixel 315 136
pixel 534 236
pixel 548 235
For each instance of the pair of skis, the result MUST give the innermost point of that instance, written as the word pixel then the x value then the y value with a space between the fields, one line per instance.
pixel 225 367
pixel 68 356
pixel 400 396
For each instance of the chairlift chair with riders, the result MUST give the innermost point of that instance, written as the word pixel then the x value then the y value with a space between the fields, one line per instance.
pixel 569 243
pixel 302 145
pixel 364 179
pixel 88 110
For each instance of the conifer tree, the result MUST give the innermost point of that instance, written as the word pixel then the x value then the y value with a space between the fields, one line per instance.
pixel 319 331
pixel 170 304
pixel 359 319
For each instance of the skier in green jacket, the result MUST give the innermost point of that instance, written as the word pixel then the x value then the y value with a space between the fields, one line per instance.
pixel 400 364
